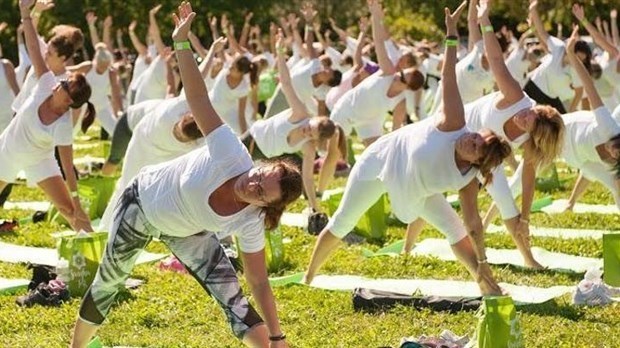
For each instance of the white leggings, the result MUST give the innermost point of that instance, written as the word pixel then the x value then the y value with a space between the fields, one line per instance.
pixel 360 194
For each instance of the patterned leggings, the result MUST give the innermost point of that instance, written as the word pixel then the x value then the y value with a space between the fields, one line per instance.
pixel 201 254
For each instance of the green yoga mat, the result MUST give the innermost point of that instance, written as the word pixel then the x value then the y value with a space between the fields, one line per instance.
pixel 425 287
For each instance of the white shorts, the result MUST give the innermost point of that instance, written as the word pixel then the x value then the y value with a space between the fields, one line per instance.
pixel 365 130
pixel 35 173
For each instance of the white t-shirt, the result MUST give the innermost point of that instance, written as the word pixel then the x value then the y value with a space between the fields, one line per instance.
pixel 518 66
pixel 27 141
pixel 584 131
pixel 136 112
pixel 175 194
pixel 301 79
pixel 100 86
pixel 337 92
pixel 271 134
pixel 416 161
pixel 152 82
pixel 473 81
pixel 483 113
pixel 225 99
pixel 366 103
pixel 6 99
pixel 607 84
pixel 551 77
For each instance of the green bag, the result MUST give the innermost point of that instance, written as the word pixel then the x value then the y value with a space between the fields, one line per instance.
pixel 84 255
pixel 267 84
pixel 548 180
pixel 274 249
pixel 498 324
pixel 373 224
pixel 89 199
pixel 104 187
pixel 105 148
pixel 611 258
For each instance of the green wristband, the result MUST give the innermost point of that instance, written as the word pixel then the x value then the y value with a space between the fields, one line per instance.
pixel 451 42
pixel 182 45
pixel 486 28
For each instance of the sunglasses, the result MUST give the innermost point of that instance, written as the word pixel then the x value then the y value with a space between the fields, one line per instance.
pixel 402 77
pixel 64 84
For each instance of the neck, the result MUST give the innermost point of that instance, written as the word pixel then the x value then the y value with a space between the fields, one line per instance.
pixel 461 164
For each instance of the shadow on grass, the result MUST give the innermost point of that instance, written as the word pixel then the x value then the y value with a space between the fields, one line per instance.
pixel 553 309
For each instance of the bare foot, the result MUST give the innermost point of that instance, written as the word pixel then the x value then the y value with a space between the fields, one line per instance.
pixel 489 288
pixel 533 264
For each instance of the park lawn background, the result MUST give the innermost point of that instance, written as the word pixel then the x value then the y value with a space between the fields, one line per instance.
pixel 172 310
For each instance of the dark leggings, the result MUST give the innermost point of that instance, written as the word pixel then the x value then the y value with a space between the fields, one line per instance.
pixel 541 98
pixel 120 140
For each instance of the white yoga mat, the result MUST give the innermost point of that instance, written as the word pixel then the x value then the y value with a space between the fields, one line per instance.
pixel 84 146
pixel 558 206
pixel 46 256
pixel 563 233
pixel 10 285
pixel 40 206
pixel 440 248
pixel 445 288
pixel 294 220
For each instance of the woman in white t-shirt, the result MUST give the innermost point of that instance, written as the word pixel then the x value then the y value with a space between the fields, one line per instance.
pixel 104 82
pixel 292 130
pixel 41 123
pixel 365 106
pixel 415 165
pixel 511 114
pixel 554 82
pixel 189 202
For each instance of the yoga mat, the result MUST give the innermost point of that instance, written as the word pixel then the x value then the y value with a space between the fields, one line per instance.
pixel 46 256
pixel 40 206
pixel 440 248
pixel 9 286
pixel 294 220
pixel 563 233
pixel 559 205
pixel 537 205
pixel 427 287
pixel 84 146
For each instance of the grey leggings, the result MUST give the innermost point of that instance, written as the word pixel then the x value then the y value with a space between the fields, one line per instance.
pixel 120 140
pixel 201 254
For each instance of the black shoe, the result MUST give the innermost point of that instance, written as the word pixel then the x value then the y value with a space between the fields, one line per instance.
pixel 7 225
pixel 46 295
pixel 40 274
pixel 39 216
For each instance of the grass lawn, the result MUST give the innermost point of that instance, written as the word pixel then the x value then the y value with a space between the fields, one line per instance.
pixel 172 310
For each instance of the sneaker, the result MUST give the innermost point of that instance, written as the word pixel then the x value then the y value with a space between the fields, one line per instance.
pixel 52 294
pixel 7 225
pixel 172 264
pixel 39 216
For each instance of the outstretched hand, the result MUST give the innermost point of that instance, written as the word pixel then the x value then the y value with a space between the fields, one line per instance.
pixel 154 10
pixel 453 18
pixel 91 18
pixel 25 4
pixel 183 21
pixel 3 26
pixel 280 41
pixel 533 5
pixel 308 11
pixel 483 9
pixel 572 40
pixel 578 12
pixel 219 44
pixel 107 22
pixel 43 5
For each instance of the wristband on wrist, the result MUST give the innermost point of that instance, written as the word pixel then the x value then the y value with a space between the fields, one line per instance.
pixel 281 50
pixel 182 45
pixel 451 42
pixel 35 14
pixel 309 27
pixel 74 194
pixel 280 337
pixel 483 261
pixel 26 18
pixel 486 28
pixel 584 21
pixel 524 220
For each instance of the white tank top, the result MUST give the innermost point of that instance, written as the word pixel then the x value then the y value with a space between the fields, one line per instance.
pixel 6 99
pixel 271 134
pixel 100 86
pixel 483 113
pixel 415 162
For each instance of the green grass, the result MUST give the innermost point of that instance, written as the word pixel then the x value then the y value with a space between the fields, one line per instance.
pixel 172 310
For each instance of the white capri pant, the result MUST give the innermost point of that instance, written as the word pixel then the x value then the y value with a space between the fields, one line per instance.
pixel 500 190
pixel 360 194
pixel 35 173
pixel 598 172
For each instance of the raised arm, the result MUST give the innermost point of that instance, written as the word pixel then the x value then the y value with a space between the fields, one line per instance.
pixel 341 33
pixel 472 25
pixel 135 41
pixel 598 37
pixel 537 22
pixel 154 30
pixel 309 13
pixel 614 27
pixel 32 39
pixel 198 100
pixel 91 20
pixel 39 7
pixel 580 69
pixel 376 12
pixel 357 56
pixel 245 31
pixel 216 48
pixel 298 107
pixel 506 83
pixel 453 115
pixel 197 45
pixel 215 34
pixel 107 33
